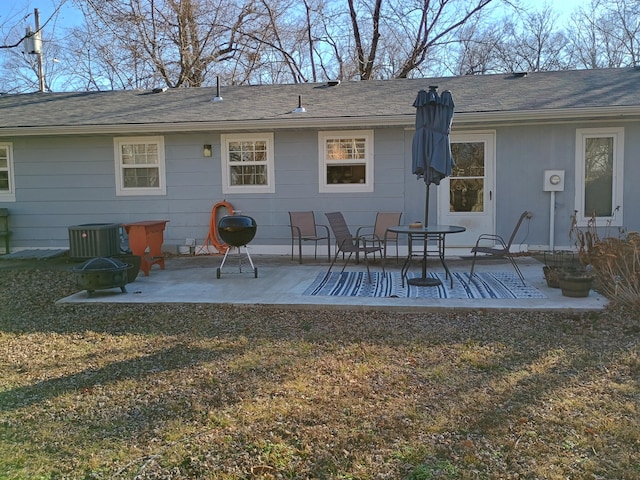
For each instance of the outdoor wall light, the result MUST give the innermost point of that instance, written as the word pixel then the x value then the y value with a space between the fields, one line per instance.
pixel 207 151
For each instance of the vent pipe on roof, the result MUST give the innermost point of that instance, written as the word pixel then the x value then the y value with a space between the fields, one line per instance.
pixel 520 74
pixel 333 83
pixel 300 108
pixel 217 98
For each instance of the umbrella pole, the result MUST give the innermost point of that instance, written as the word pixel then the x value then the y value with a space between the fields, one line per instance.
pixel 425 281
pixel 426 208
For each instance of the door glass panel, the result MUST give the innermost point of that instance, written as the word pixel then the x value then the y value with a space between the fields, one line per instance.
pixel 466 188
pixel 598 186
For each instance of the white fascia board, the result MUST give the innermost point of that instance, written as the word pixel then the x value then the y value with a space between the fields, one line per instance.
pixel 243 125
pixel 463 118
pixel 550 116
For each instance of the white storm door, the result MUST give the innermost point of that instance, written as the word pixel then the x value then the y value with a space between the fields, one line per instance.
pixel 467 197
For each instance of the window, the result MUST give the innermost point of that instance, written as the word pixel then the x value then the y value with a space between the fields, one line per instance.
pixel 7 192
pixel 140 166
pixel 346 161
pixel 599 167
pixel 467 182
pixel 248 163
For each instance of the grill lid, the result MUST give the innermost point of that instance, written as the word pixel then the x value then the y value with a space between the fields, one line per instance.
pixel 237 230
pixel 102 264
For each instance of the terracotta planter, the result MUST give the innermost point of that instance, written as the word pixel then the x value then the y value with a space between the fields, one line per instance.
pixel 576 286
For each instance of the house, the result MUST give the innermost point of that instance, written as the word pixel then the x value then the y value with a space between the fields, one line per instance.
pixel 124 156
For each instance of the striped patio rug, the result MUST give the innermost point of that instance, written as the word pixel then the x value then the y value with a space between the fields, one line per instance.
pixel 497 285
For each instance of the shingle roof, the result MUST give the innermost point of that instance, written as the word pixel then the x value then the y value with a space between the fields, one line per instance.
pixel 357 103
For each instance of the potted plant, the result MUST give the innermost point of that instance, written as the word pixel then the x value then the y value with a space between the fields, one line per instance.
pixel 556 264
pixel 577 282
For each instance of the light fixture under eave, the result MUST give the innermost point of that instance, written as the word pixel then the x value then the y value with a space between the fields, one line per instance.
pixel 217 98
pixel 300 108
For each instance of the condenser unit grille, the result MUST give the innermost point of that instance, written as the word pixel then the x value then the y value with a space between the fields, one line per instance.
pixel 94 240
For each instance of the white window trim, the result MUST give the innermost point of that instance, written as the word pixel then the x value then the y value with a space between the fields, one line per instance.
pixel 325 187
pixel 225 139
pixel 617 133
pixel 162 182
pixel 10 195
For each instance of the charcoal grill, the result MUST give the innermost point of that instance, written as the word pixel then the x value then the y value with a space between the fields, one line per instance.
pixel 102 273
pixel 237 231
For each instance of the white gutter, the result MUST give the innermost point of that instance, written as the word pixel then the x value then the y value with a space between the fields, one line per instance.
pixel 299 122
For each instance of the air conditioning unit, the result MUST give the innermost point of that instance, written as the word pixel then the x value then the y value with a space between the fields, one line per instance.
pixel 94 240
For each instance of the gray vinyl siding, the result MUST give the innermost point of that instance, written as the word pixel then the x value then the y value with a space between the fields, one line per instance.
pixel 524 152
pixel 631 176
pixel 63 181
pixel 68 181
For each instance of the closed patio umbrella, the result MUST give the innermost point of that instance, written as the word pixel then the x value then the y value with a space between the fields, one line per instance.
pixel 431 151
pixel 431 154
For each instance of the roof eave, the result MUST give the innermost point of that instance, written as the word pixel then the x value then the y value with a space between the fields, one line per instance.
pixel 469 119
pixel 564 115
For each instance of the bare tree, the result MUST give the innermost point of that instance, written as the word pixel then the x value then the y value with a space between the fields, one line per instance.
pixel 20 69
pixel 477 49
pixel 183 43
pixel 606 34
pixel 279 42
pixel 394 38
pixel 172 41
pixel 436 22
pixel 626 14
pixel 310 38
pixel 333 45
pixel 534 44
pixel 366 60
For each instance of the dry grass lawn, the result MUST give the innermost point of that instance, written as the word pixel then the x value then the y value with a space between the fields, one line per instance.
pixel 210 392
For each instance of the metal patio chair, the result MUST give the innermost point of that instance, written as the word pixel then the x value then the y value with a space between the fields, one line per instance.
pixel 305 229
pixel 498 247
pixel 379 231
pixel 347 243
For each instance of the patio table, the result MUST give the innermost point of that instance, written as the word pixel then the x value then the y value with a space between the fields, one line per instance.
pixel 434 232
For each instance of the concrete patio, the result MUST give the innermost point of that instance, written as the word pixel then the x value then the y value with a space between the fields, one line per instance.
pixel 281 282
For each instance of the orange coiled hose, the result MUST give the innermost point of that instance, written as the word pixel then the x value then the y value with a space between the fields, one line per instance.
pixel 213 238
